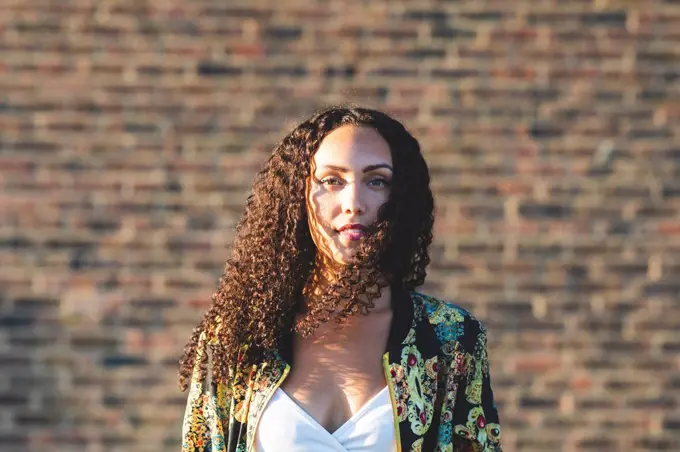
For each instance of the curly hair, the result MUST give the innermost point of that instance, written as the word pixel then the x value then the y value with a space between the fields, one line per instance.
pixel 259 298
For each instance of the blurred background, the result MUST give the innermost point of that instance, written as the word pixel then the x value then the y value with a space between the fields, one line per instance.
pixel 130 131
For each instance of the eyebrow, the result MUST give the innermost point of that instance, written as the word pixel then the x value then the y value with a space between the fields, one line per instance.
pixel 366 169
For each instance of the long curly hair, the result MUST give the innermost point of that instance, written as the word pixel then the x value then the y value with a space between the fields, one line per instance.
pixel 259 298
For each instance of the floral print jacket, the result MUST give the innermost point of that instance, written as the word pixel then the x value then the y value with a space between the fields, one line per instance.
pixel 437 372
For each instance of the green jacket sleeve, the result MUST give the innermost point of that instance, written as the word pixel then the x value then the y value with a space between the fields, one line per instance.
pixel 202 429
pixel 476 420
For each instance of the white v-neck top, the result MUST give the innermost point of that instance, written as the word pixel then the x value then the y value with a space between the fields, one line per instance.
pixel 284 426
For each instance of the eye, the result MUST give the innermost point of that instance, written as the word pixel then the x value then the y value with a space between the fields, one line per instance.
pixel 330 181
pixel 379 182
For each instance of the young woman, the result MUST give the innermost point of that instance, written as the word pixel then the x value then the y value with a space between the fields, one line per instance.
pixel 316 339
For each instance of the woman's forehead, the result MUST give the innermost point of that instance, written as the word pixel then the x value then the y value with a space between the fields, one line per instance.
pixel 353 146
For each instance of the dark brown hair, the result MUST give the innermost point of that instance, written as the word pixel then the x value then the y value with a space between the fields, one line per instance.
pixel 274 255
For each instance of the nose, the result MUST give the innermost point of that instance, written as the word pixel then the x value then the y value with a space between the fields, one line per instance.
pixel 352 199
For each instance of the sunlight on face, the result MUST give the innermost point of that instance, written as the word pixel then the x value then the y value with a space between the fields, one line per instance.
pixel 351 177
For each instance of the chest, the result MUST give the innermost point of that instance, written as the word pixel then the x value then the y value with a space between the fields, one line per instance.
pixel 324 378
pixel 337 373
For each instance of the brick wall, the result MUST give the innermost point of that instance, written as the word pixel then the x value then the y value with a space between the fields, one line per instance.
pixel 130 131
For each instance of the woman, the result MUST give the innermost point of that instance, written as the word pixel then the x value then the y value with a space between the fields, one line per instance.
pixel 316 339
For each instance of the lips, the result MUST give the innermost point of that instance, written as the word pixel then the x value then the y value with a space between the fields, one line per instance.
pixel 353 226
pixel 352 231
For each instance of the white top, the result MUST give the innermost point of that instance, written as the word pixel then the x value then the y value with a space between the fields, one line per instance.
pixel 284 426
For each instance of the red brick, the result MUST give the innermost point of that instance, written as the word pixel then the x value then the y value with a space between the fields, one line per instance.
pixel 131 134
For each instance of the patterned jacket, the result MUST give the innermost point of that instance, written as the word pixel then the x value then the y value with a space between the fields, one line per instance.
pixel 435 365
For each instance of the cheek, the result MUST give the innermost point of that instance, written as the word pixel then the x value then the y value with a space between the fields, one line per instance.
pixel 323 207
pixel 319 220
pixel 378 200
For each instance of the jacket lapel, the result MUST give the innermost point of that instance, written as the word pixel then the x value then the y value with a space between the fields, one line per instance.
pixel 269 376
pixel 413 369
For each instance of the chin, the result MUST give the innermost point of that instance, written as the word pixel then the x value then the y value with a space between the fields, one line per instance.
pixel 342 258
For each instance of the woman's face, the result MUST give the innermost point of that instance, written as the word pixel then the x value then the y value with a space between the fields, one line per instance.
pixel 351 177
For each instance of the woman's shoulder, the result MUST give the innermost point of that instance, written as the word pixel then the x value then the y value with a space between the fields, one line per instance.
pixel 451 321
